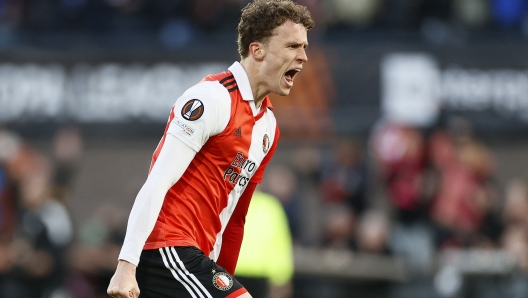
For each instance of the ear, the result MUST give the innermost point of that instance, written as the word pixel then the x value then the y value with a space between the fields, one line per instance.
pixel 257 50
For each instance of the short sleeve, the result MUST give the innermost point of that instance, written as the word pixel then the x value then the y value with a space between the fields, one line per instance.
pixel 201 112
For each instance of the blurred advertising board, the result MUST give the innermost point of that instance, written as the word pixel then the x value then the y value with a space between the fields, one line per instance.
pixel 346 87
pixel 415 88
pixel 108 92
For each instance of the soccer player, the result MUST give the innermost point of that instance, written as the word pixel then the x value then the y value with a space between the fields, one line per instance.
pixel 185 229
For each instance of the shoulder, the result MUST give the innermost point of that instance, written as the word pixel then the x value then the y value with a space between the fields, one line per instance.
pixel 209 93
pixel 211 89
pixel 219 77
pixel 206 107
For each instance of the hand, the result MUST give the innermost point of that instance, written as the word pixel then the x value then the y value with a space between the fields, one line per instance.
pixel 123 284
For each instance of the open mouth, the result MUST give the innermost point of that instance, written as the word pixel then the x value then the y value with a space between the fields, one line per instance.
pixel 290 74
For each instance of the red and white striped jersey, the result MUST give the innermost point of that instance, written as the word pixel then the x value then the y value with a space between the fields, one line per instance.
pixel 234 142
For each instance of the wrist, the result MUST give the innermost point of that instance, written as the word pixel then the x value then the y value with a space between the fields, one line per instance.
pixel 126 266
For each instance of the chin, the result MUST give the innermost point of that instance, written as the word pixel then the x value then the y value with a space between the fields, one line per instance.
pixel 284 92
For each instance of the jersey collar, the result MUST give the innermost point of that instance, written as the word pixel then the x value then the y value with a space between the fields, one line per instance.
pixel 242 81
pixel 244 87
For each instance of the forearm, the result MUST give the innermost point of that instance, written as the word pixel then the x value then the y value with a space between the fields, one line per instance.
pixel 142 219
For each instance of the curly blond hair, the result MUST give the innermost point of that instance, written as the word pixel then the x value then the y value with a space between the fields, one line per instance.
pixel 260 17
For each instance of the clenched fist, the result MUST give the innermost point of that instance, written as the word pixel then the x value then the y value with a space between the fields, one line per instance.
pixel 123 284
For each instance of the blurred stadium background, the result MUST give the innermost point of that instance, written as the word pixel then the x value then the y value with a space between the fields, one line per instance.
pixel 402 166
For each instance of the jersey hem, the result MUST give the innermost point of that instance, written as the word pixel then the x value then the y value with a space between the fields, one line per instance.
pixel 162 244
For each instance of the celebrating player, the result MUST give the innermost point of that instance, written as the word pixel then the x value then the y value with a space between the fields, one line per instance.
pixel 185 228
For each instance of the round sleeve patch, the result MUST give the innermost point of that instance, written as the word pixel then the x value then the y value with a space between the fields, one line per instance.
pixel 192 110
pixel 222 281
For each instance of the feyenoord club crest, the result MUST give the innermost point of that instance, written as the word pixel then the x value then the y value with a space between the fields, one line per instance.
pixel 265 143
pixel 192 110
pixel 222 281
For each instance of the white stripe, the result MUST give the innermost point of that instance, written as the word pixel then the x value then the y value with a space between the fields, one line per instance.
pixel 184 275
pixel 265 125
pixel 175 274
pixel 200 285
pixel 196 104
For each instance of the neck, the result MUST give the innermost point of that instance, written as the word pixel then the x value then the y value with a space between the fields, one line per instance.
pixel 257 88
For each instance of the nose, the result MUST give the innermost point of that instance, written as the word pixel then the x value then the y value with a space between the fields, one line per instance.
pixel 302 55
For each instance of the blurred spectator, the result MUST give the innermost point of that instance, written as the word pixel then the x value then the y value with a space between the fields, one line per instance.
pixel 515 236
pixel 515 242
pixel 344 230
pixel 436 9
pixel 355 13
pixel 9 146
pixel 14 154
pixel 94 257
pixel 207 13
pixel 128 20
pixel 373 233
pixel 42 237
pixel 473 14
pixel 126 6
pixel 67 151
pixel 401 160
pixel 401 14
pixel 316 10
pixel 176 33
pixel 217 15
pixel 516 203
pixel 12 12
pixel 7 207
pixel 464 204
pixel 306 161
pixel 344 177
pixel 265 263
pixel 339 228
pixel 281 182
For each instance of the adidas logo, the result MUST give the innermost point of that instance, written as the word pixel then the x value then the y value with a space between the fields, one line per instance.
pixel 238 133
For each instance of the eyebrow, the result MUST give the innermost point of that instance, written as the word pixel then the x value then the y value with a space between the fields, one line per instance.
pixel 298 44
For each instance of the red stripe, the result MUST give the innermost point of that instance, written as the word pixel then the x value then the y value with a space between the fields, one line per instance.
pixel 266 103
pixel 260 114
pixel 237 293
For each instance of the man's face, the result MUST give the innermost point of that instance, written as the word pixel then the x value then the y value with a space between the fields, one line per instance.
pixel 284 58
